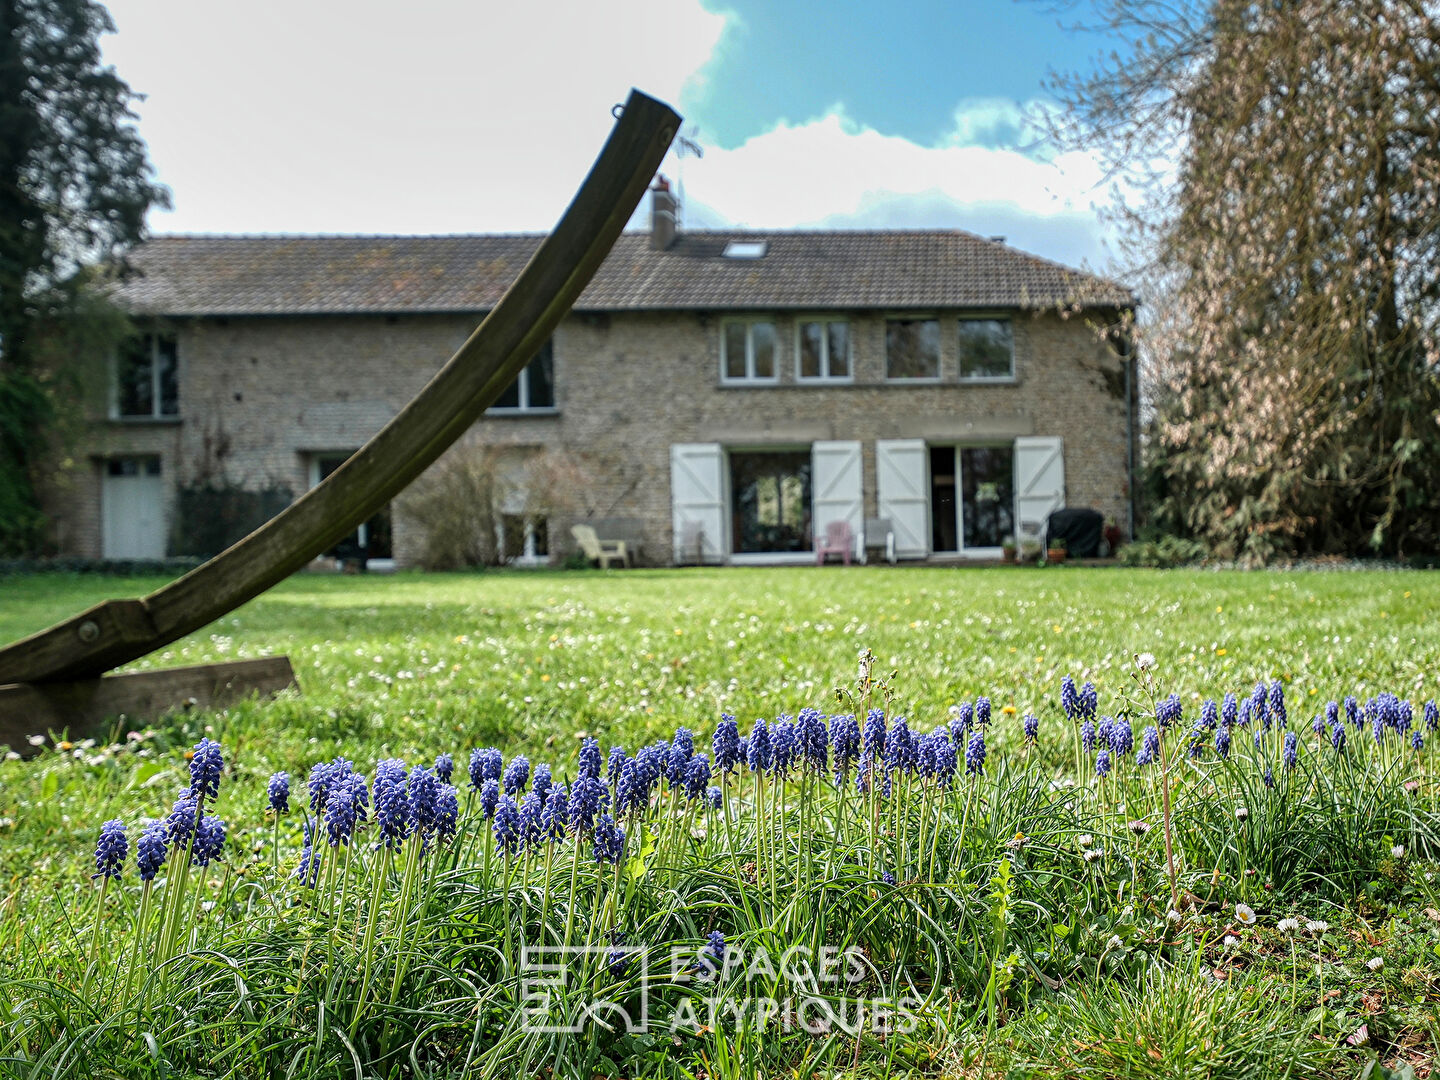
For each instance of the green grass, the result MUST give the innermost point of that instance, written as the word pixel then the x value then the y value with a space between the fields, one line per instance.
pixel 411 666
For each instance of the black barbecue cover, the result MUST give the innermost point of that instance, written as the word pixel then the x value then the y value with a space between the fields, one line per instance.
pixel 1080 529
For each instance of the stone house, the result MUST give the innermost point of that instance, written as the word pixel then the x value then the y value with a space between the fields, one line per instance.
pixel 726 394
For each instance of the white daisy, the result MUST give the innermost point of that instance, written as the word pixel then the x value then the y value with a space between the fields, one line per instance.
pixel 1288 926
pixel 1375 963
pixel 1245 914
pixel 1085 840
pixel 1317 927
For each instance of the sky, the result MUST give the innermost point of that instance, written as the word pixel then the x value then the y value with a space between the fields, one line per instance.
pixel 442 116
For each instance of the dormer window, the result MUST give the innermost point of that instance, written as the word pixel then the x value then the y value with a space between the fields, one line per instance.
pixel 746 249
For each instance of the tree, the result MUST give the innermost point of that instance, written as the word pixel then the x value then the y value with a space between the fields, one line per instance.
pixel 75 186
pixel 1282 164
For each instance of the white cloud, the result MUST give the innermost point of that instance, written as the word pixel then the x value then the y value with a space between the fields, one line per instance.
pixel 322 116
pixel 832 172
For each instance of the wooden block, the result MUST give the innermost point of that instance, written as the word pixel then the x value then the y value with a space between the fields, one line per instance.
pixel 84 707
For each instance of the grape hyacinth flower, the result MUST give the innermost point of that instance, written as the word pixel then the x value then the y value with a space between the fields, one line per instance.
pixel 1209 716
pixel 447 813
pixel 925 755
pixel 682 749
pixel 540 782
pixel 1031 724
pixel 309 869
pixel 1122 737
pixel 615 764
pixel 1197 743
pixel 589 760
pixel 1222 741
pixel 1102 764
pixel 150 850
pixel 1317 725
pixel 1337 737
pixel 422 789
pixel 1069 698
pixel 1169 711
pixel 1406 717
pixel 726 744
pixel 975 754
pixel 946 761
pixel 609 844
pixel 111 849
pixel 900 750
pixel 1277 703
pixel 444 767
pixel 1104 731
pixel 205 767
pixel 886 876
pixel 339 817
pixel 760 756
pixel 485 765
pixel 553 817
pixel 1089 701
pixel 360 795
pixel 392 802
pixel 489 798
pixel 1228 712
pixel 584 804
pixel 697 776
pixel 1149 746
pixel 1087 736
pixel 712 956
pixel 964 719
pixel 321 777
pixel 1260 705
pixel 517 775
pixel 845 740
pixel 1432 716
pixel 1291 751
pixel 1417 741
pixel 181 820
pixel 506 826
pixel 209 841
pixel 814 739
pixel 1352 711
pixel 714 798
pixel 784 749
pixel 1268 777
pixel 1246 712
pixel 278 790
pixel 982 712
pixel 630 792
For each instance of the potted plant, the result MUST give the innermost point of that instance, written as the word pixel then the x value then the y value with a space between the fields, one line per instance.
pixel 1007 548
pixel 1055 551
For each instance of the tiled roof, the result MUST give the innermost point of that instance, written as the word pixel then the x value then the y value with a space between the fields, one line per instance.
pixel 292 275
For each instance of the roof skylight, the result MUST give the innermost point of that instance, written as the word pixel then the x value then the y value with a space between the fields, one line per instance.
pixel 746 249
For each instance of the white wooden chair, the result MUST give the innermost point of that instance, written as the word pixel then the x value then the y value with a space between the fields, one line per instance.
pixel 603 552
pixel 880 536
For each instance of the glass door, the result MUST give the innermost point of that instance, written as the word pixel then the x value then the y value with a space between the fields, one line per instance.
pixel 987 484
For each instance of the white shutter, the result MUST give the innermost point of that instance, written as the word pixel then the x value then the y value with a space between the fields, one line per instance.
pixel 836 483
pixel 132 516
pixel 697 501
pixel 1039 482
pixel 901 470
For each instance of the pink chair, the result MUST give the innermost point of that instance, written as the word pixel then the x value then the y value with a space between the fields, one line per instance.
pixel 836 541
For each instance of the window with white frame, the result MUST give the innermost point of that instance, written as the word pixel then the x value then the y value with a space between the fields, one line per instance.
pixel 822 350
pixel 534 388
pixel 146 386
pixel 912 349
pixel 987 350
pixel 747 351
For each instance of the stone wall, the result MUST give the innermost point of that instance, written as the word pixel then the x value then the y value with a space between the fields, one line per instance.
pixel 259 397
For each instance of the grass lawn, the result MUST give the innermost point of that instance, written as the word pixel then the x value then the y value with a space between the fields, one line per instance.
pixel 411 666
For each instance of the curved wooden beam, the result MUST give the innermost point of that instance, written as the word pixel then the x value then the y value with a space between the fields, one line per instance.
pixel 117 631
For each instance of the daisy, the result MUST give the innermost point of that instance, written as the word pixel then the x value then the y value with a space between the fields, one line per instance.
pixel 1245 914
pixel 1288 926
pixel 1375 963
pixel 1317 927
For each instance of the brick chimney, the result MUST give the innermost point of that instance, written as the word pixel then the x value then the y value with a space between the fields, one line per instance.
pixel 662 215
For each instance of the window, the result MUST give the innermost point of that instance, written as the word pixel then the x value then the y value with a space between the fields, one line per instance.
pixel 746 249
pixel 747 351
pixel 145 383
pixel 371 539
pixel 770 501
pixel 987 349
pixel 912 349
pixel 523 539
pixel 823 349
pixel 534 388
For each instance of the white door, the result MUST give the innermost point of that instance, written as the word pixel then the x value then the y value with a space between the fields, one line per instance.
pixel 1039 482
pixel 132 509
pixel 836 483
pixel 697 502
pixel 902 489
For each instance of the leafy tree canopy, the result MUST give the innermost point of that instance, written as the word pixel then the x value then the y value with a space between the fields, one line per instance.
pixel 75 185
pixel 1282 168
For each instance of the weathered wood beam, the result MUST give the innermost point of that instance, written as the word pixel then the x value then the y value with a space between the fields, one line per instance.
pixel 84 707
pixel 115 632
